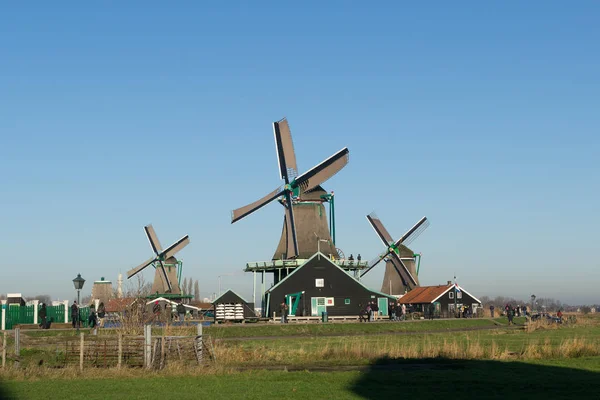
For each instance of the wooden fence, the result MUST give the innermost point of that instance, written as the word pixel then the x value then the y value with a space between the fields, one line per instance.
pixel 106 351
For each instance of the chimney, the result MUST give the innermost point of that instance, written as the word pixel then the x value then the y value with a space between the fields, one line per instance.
pixel 449 283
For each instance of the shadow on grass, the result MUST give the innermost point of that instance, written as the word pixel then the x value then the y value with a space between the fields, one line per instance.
pixel 474 379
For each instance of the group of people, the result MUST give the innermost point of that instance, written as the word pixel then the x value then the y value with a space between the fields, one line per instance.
pixel 179 311
pixel 511 312
pixel 95 318
pixel 370 312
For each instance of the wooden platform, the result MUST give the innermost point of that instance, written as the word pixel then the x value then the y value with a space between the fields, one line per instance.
pixel 331 318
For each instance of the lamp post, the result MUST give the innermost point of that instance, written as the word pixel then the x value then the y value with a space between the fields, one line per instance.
pixel 78 283
pixel 532 301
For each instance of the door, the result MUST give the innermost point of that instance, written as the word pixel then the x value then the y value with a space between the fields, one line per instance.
pixel 317 306
pixel 382 303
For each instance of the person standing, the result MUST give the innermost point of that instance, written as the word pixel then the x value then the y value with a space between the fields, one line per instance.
pixel 92 317
pixel 75 315
pixel 492 310
pixel 375 310
pixel 43 314
pixel 370 312
pixel 101 314
pixel 181 311
pixel 283 308
pixel 156 311
pixel 510 313
pixel 403 312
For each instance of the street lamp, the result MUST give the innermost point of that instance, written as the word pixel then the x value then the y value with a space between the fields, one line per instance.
pixel 78 283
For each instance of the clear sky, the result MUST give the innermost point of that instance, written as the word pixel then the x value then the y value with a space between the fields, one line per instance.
pixel 483 117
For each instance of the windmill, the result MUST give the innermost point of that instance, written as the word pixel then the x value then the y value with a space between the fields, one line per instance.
pixel 164 262
pixel 300 195
pixel 400 272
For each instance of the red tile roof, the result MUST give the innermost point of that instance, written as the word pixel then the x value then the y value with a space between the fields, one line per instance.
pixel 118 305
pixel 423 294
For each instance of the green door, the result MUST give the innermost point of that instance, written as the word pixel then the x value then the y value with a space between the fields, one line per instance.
pixel 317 306
pixel 382 303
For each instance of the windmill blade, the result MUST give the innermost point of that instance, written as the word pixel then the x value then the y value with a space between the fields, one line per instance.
pixel 166 276
pixel 140 267
pixel 373 263
pixel 175 247
pixel 402 270
pixel 378 227
pixel 153 239
pixel 322 172
pixel 286 157
pixel 241 212
pixel 291 238
pixel 413 232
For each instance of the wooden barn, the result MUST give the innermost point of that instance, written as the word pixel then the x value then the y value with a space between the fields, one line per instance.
pixel 443 298
pixel 319 285
pixel 230 306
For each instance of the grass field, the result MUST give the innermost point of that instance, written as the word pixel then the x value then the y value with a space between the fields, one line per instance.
pixel 548 379
pixel 346 361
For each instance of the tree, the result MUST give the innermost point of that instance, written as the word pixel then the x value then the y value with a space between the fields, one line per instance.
pixel 43 298
pixel 189 287
pixel 184 288
pixel 196 291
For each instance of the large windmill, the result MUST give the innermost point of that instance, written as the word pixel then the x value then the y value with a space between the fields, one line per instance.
pixel 304 224
pixel 166 279
pixel 400 269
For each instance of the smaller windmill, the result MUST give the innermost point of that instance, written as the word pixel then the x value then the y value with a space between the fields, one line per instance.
pixel 164 262
pixel 398 274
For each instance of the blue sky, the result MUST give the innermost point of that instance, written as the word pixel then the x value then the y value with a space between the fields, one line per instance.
pixel 482 117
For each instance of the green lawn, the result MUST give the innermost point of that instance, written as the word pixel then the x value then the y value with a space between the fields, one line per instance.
pixel 423 379
pixel 264 330
pixel 269 330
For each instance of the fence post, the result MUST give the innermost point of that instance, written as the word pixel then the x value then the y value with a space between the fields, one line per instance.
pixel 17 347
pixel 81 344
pixel 199 342
pixel 3 315
pixel 120 355
pixel 4 350
pixel 148 346
pixel 66 304
pixel 35 310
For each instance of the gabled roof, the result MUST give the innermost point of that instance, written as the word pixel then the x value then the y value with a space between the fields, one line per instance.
pixel 118 305
pixel 323 256
pixel 215 301
pixel 424 294
pixel 430 294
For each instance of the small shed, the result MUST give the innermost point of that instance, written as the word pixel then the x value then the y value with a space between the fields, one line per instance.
pixel 444 297
pixel 230 306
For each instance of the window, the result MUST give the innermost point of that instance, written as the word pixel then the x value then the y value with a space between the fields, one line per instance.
pixel 451 295
pixel 319 282
pixel 459 295
pixel 321 301
pixel 347 301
